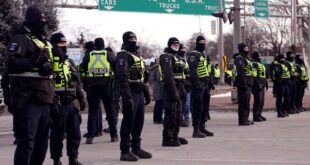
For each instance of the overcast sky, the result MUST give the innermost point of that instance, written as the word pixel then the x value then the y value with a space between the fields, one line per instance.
pixel 148 27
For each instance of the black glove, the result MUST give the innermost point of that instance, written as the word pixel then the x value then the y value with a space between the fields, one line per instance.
pixel 147 95
pixel 211 86
pixel 82 104
pixel 46 69
pixel 128 103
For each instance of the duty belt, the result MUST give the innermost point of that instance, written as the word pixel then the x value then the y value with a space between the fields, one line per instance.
pixel 141 81
pixel 179 77
pixel 62 89
pixel 31 74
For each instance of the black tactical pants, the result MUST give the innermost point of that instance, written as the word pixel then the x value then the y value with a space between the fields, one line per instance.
pixel 300 92
pixel 31 126
pixel 200 104
pixel 244 95
pixel 65 119
pixel 282 97
pixel 94 97
pixel 292 88
pixel 132 123
pixel 259 101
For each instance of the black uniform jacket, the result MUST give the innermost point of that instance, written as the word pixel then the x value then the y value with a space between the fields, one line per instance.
pixel 18 53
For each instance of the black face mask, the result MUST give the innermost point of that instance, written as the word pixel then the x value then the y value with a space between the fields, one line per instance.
pixel 64 50
pixel 39 26
pixel 132 46
pixel 181 53
pixel 201 47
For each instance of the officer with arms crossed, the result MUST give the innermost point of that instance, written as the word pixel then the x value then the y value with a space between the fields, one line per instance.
pixel 243 82
pixel 130 76
pixel 99 64
pixel 65 117
pixel 29 63
pixel 200 92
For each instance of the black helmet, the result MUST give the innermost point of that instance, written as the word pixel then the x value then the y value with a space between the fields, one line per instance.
pixel 256 55
pixel 99 43
pixel 57 38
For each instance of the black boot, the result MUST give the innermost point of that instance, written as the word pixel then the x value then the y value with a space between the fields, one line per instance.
pixel 142 154
pixel 128 156
pixel 74 161
pixel 257 118
pixel 114 139
pixel 183 141
pixel 197 133
pixel 206 132
pixel 171 143
pixel 57 161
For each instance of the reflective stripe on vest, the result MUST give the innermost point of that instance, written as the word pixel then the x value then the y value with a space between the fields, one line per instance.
pixel 293 69
pixel 217 73
pixel 303 75
pixel 179 63
pixel 137 65
pixel 248 70
pixel 202 67
pixel 34 71
pixel 62 75
pixel 261 72
pixel 31 74
pixel 98 65
pixel 285 72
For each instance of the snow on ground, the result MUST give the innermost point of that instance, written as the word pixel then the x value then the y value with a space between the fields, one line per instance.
pixel 222 95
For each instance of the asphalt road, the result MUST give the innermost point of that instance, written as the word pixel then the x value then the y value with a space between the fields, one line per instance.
pixel 274 142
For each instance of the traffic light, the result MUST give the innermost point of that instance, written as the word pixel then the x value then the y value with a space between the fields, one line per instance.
pixel 231 17
pixel 223 15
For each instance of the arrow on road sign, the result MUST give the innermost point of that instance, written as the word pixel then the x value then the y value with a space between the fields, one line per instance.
pixel 169 10
pixel 109 7
pixel 262 14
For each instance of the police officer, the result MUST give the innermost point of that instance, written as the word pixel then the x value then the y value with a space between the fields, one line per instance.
pixel 217 74
pixel 290 63
pixel 89 47
pixel 129 74
pixel 243 82
pixel 229 74
pixel 65 117
pixel 200 92
pixel 29 63
pixel 99 64
pixel 281 85
pixel 173 92
pixel 273 63
pixel 259 86
pixel 187 84
pixel 301 83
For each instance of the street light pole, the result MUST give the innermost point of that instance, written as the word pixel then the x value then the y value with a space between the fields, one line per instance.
pixel 236 24
pixel 220 41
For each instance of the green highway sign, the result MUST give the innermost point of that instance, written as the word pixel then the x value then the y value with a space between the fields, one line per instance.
pixel 261 8
pixel 197 7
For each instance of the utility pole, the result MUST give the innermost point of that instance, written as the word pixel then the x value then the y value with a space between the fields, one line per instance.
pixel 294 22
pixel 220 41
pixel 236 24
pixel 309 31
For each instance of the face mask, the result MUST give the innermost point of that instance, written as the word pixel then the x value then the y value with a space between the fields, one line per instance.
pixel 175 48
pixel 64 49
pixel 201 47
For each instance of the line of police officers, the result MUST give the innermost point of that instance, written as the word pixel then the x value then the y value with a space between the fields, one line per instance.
pixel 40 75
pixel 289 77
